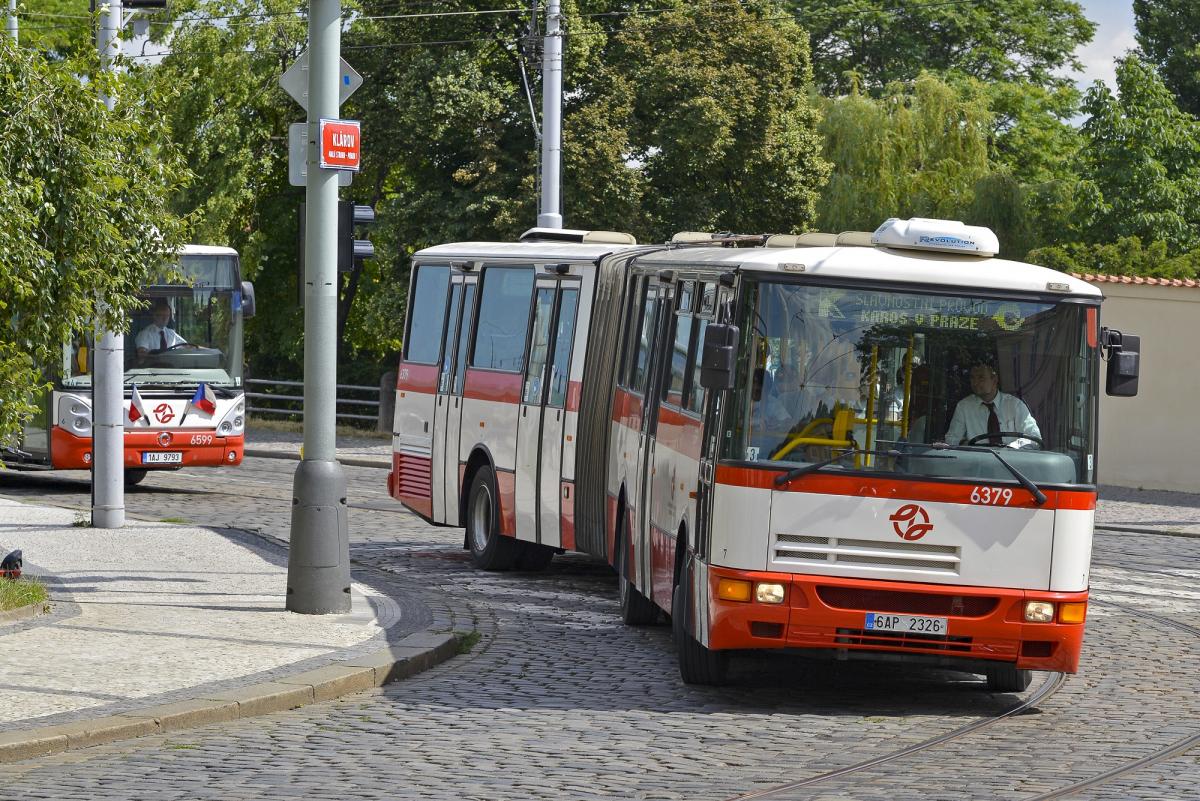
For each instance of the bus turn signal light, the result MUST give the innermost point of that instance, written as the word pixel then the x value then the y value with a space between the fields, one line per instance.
pixel 733 590
pixel 1072 612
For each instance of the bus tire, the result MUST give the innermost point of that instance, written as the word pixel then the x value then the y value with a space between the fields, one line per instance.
pixel 697 664
pixel 533 557
pixel 1007 679
pixel 636 609
pixel 490 550
pixel 134 476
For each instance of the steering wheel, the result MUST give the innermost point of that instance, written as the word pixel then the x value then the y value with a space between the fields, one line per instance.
pixel 976 439
pixel 181 345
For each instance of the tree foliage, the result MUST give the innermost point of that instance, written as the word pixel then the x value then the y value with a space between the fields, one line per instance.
pixel 1140 166
pixel 1126 256
pixel 84 209
pixel 1168 32
pixel 1027 41
pixel 58 28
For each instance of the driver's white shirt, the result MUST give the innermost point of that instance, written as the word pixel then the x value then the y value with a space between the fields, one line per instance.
pixel 149 339
pixel 971 420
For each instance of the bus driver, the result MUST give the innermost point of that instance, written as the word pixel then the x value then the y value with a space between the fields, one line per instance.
pixel 158 336
pixel 987 410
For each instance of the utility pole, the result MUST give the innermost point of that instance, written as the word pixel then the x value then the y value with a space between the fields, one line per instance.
pixel 12 20
pixel 108 366
pixel 319 553
pixel 550 215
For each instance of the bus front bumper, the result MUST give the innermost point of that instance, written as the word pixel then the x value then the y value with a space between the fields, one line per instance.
pixel 825 612
pixel 194 449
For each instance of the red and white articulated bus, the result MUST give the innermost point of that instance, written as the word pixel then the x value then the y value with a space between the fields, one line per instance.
pixel 183 359
pixel 872 446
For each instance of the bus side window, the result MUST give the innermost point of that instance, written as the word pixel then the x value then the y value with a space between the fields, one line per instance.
pixel 695 398
pixel 564 338
pixel 644 345
pixel 633 304
pixel 427 314
pixel 503 321
pixel 673 391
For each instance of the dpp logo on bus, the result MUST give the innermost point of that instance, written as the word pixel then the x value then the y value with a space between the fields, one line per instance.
pixel 917 520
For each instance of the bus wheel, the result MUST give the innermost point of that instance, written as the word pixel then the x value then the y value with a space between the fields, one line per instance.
pixel 636 609
pixel 1007 679
pixel 533 557
pixel 697 664
pixel 490 550
pixel 134 476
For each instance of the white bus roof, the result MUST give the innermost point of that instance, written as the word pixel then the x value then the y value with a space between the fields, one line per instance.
pixel 529 251
pixel 882 265
pixel 207 250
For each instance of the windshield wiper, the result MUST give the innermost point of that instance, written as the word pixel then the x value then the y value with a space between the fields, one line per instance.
pixel 795 473
pixel 1021 478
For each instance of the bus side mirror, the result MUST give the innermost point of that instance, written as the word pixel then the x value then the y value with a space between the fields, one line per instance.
pixel 719 358
pixel 1124 363
pixel 247 300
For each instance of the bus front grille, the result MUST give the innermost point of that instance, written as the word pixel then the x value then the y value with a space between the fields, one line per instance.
pixel 800 550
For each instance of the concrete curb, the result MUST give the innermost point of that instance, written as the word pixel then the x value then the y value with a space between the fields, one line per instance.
pixel 295 457
pixel 1160 531
pixel 24 612
pixel 413 654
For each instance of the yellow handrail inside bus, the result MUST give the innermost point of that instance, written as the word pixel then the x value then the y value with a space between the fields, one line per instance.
pixel 840 424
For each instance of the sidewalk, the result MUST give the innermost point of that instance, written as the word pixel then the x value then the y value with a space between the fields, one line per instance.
pixel 1148 511
pixel 158 627
pixel 353 451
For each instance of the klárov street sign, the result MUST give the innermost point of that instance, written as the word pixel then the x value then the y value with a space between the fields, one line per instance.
pixel 341 145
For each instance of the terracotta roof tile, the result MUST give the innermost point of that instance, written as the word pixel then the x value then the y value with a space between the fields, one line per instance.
pixel 1095 278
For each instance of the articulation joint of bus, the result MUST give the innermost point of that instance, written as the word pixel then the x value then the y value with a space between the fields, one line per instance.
pixel 866 445
pixel 184 400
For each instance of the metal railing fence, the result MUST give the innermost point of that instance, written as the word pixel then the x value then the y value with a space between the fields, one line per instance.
pixel 356 404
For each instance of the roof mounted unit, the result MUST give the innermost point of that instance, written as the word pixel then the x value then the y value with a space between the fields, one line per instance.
pixel 855 239
pixel 810 239
pixel 577 236
pixel 694 237
pixel 949 236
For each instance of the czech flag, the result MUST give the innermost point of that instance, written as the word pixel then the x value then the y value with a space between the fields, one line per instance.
pixel 136 410
pixel 204 399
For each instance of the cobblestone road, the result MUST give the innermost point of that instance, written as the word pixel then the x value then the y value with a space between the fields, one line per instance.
pixel 558 700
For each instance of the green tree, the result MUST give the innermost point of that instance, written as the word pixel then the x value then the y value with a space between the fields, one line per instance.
pixel 1169 34
pixel 1028 41
pixel 1140 165
pixel 83 210
pixel 58 28
pixel 1126 256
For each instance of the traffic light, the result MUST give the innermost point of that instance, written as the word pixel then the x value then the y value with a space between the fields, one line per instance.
pixel 349 249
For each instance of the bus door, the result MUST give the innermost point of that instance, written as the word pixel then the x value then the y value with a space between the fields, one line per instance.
pixel 533 402
pixel 554 417
pixel 453 469
pixel 445 447
pixel 658 302
pixel 716 303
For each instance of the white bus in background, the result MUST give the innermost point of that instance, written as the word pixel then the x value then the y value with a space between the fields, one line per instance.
pixel 200 368
pixel 753 436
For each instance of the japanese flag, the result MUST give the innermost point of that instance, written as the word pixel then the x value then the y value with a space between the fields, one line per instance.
pixel 136 410
pixel 204 399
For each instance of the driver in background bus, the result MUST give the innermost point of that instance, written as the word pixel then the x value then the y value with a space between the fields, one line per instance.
pixel 988 411
pixel 158 336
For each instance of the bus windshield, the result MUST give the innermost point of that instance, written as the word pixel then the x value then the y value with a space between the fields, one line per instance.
pixel 186 333
pixel 881 377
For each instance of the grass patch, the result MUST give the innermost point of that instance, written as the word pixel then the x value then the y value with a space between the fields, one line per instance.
pixel 468 641
pixel 297 427
pixel 174 520
pixel 22 592
pixel 82 520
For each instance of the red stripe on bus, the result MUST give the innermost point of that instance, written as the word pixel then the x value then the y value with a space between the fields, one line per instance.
pixel 567 512
pixel 862 486
pixel 417 377
pixel 574 395
pixel 679 432
pixel 627 408
pixel 506 486
pixel 493 385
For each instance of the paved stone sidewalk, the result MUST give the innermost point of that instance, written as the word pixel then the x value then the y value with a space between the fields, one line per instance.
pixel 1148 511
pixel 155 613
pixel 364 451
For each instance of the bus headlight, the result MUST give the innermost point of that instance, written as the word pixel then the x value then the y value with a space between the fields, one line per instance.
pixel 769 593
pixel 74 414
pixel 1039 612
pixel 233 422
pixel 225 429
